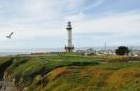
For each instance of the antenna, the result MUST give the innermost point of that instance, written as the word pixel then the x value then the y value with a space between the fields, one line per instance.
pixel 104 48
pixel 131 50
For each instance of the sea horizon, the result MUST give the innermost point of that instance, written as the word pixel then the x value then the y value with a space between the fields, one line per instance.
pixel 8 52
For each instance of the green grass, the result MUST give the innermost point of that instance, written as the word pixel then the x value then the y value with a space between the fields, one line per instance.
pixel 4 64
pixel 4 60
pixel 70 72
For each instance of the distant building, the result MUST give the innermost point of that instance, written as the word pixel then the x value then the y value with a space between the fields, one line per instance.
pixel 90 51
pixel 69 47
pixel 135 53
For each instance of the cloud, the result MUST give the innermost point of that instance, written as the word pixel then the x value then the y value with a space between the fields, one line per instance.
pixel 119 23
pixel 34 19
pixel 76 17
pixel 94 5
pixel 1 6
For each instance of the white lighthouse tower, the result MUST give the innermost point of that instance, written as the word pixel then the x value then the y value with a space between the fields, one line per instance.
pixel 69 47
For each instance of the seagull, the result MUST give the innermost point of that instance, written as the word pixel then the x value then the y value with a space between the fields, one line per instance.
pixel 10 35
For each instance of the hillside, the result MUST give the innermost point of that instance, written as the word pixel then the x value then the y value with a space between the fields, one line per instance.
pixel 69 73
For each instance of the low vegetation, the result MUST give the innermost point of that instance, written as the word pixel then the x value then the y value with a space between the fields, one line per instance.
pixel 4 63
pixel 72 72
pixel 122 50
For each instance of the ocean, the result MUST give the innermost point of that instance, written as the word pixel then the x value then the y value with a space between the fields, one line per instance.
pixel 8 52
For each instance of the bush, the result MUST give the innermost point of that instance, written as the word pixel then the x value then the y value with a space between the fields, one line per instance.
pixel 122 50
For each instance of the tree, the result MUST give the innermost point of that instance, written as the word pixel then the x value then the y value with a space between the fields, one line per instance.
pixel 122 50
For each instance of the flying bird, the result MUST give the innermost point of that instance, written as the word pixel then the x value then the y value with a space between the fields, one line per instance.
pixel 10 35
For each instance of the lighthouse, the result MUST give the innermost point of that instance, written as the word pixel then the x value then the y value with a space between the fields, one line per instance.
pixel 69 47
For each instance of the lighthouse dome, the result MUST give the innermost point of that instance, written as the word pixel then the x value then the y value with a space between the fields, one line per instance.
pixel 69 25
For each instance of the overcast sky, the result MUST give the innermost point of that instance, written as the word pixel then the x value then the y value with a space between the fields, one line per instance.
pixel 41 23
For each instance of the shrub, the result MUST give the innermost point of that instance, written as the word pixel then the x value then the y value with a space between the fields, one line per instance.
pixel 122 50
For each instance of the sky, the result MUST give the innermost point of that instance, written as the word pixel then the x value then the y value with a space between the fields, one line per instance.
pixel 42 23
